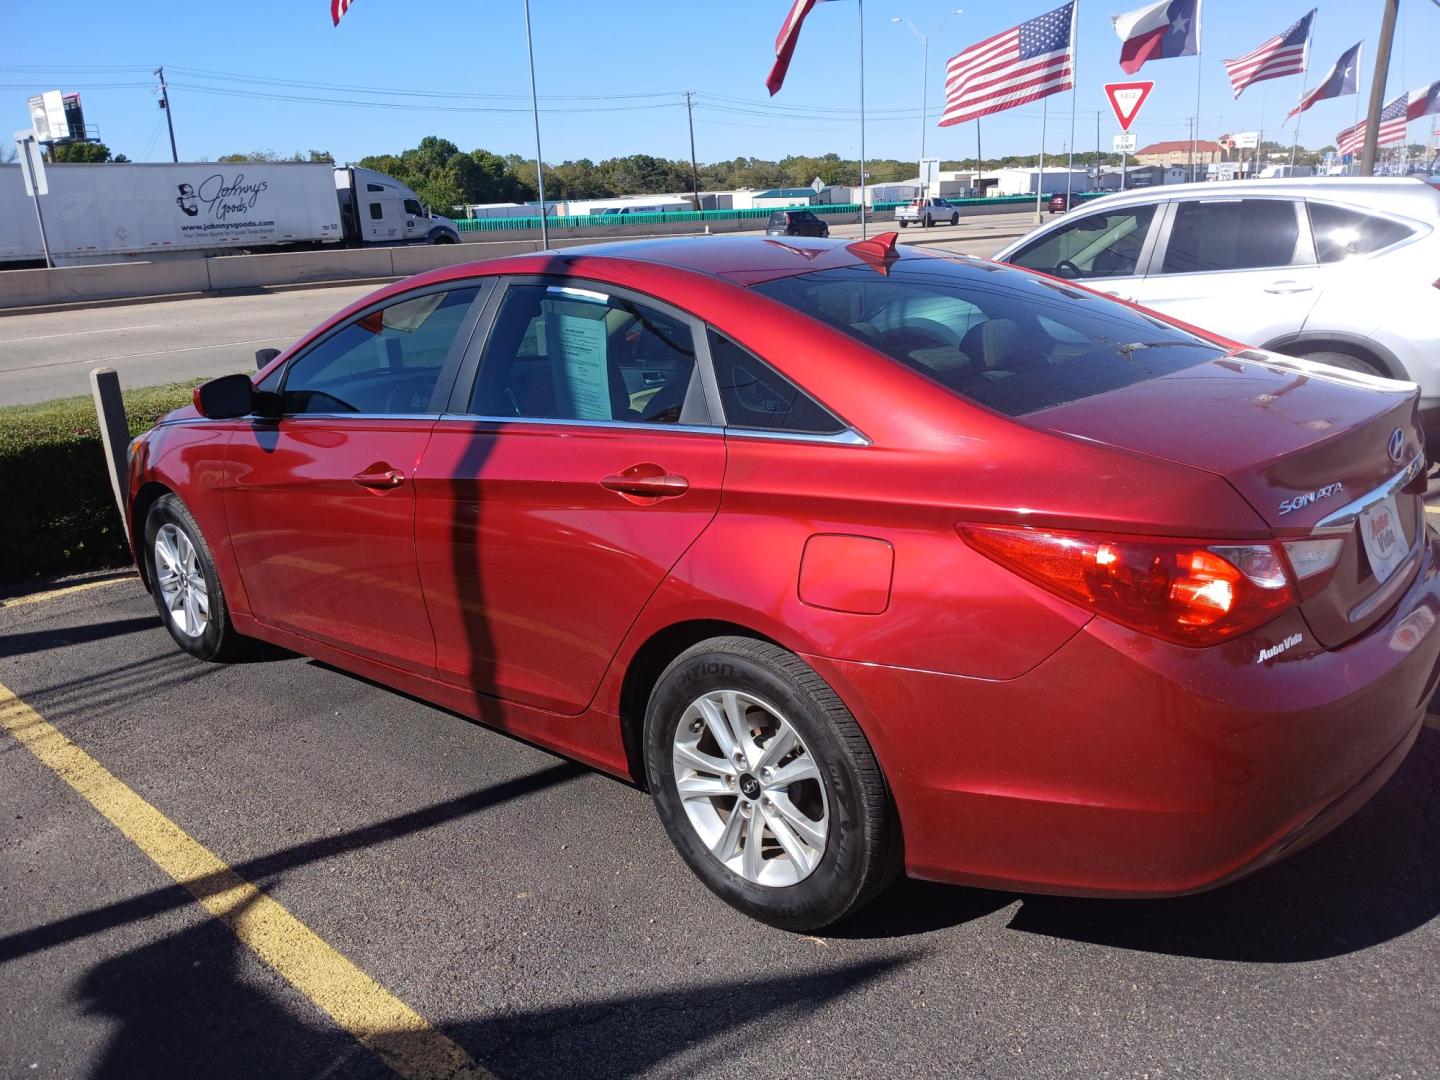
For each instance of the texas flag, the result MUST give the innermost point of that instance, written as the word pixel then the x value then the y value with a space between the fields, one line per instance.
pixel 1423 102
pixel 1158 31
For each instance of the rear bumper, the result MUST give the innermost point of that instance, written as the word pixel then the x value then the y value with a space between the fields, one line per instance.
pixel 1123 766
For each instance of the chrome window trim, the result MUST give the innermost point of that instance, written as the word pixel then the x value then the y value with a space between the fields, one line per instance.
pixel 848 437
pixel 1348 514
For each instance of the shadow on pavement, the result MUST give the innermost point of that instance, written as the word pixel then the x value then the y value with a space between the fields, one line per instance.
pixel 40 640
pixel 264 867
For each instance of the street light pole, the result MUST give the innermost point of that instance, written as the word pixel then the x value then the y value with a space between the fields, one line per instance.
pixel 535 113
pixel 925 75
pixel 169 120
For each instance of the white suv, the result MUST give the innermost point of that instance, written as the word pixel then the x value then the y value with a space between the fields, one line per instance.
pixel 1344 271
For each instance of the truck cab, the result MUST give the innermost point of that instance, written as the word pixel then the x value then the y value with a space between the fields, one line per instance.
pixel 378 209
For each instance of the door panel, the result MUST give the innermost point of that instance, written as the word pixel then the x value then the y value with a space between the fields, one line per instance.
pixel 533 568
pixel 1242 268
pixel 322 525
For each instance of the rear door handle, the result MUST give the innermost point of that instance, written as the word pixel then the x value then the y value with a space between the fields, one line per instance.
pixel 1285 287
pixel 646 481
pixel 380 476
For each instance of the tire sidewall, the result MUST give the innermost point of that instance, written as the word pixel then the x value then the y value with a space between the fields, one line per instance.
pixel 829 889
pixel 169 510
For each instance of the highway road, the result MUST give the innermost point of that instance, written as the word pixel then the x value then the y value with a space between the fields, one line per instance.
pixel 491 910
pixel 46 355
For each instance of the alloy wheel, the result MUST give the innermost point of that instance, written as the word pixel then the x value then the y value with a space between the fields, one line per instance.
pixel 750 787
pixel 181 582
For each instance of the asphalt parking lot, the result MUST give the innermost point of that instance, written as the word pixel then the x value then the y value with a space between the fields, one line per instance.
pixel 462 904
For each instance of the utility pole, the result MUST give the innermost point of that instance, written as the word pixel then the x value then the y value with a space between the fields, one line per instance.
pixel 169 119
pixel 1377 88
pixel 535 114
pixel 925 40
pixel 694 168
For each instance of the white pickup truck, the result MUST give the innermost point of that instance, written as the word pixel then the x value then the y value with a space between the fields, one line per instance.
pixel 926 212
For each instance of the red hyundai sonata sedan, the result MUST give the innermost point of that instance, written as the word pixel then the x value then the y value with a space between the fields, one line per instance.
pixel 857 558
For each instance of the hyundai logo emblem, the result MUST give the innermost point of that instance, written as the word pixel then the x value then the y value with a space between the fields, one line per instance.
pixel 1397 445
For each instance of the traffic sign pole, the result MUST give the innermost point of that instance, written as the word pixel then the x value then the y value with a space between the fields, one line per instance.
pixel 32 169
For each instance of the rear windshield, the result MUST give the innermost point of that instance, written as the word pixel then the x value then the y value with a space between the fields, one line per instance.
pixel 1011 341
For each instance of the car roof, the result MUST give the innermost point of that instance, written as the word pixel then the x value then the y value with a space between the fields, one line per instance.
pixel 1382 192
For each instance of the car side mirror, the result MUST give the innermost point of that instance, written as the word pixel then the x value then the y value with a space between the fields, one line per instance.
pixel 264 356
pixel 225 398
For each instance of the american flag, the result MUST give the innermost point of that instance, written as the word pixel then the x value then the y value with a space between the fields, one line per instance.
pixel 1284 54
pixel 338 8
pixel 1025 63
pixel 1393 124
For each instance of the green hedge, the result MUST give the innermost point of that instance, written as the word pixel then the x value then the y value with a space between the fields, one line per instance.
pixel 59 515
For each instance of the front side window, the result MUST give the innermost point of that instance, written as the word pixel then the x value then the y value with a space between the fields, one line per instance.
pixel 1341 233
pixel 1100 245
pixel 1004 339
pixel 1240 234
pixel 563 353
pixel 413 208
pixel 385 362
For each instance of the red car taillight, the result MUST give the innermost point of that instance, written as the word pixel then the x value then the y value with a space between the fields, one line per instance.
pixel 1187 592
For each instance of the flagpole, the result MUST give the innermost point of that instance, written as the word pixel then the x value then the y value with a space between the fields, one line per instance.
pixel 1074 97
pixel 1359 82
pixel 1040 179
pixel 1305 74
pixel 1199 73
pixel 535 113
pixel 860 7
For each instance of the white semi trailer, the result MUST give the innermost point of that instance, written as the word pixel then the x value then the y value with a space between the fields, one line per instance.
pixel 112 213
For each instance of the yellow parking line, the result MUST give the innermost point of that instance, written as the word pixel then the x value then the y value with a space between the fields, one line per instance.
pixel 53 594
pixel 383 1023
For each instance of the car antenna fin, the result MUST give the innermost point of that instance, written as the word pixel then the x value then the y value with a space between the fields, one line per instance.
pixel 878 252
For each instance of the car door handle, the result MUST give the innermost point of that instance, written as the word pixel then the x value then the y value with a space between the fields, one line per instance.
pixel 382 477
pixel 647 481
pixel 1285 287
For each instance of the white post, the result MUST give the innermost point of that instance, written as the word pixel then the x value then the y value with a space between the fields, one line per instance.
pixel 1040 176
pixel 860 7
pixel 114 434
pixel 1074 97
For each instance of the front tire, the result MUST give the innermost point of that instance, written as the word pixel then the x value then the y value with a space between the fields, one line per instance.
pixel 767 786
pixel 185 585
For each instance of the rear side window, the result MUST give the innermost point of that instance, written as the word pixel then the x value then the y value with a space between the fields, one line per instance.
pixel 376 211
pixel 1097 245
pixel 757 397
pixel 1341 233
pixel 1004 339
pixel 562 353
pixel 1246 234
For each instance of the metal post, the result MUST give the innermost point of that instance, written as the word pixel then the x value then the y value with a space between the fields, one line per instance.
pixel 114 433
pixel 1199 71
pixel 694 168
pixel 1074 99
pixel 924 94
pixel 169 120
pixel 860 7
pixel 1040 175
pixel 535 113
pixel 978 159
pixel 30 166
pixel 1377 87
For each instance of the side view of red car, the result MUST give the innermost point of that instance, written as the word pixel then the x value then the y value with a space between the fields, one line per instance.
pixel 857 558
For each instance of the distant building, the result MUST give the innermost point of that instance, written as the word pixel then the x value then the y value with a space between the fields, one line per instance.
pixel 1177 152
pixel 773 198
pixel 1030 181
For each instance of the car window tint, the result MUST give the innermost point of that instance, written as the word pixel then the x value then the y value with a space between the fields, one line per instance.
pixel 1095 246
pixel 1005 339
pixel 387 361
pixel 1341 233
pixel 563 353
pixel 376 211
pixel 756 396
pixel 412 207
pixel 1242 235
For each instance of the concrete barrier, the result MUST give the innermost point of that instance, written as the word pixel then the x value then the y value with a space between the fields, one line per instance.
pixel 416 260
pixel 76 284
pixel 297 268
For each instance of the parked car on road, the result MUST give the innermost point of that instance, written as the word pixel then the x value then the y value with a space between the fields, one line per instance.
pixel 1338 270
pixel 796 223
pixel 856 557
pixel 926 212
pixel 1061 202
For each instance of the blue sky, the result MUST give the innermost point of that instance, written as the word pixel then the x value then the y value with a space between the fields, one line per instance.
pixel 610 75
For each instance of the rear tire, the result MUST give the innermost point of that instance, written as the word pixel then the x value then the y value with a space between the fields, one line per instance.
pixel 185 585
pixel 798 830
pixel 1346 361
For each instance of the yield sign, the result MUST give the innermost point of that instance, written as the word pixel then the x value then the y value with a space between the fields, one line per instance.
pixel 1126 99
